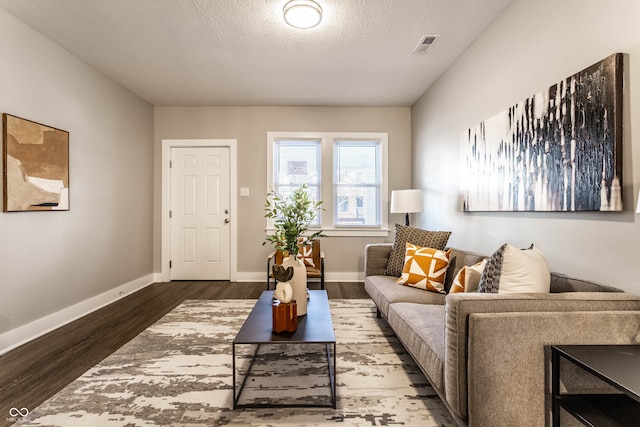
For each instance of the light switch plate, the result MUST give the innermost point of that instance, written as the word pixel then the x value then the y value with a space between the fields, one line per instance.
pixel 244 191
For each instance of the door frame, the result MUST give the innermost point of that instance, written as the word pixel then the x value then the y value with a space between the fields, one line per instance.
pixel 167 145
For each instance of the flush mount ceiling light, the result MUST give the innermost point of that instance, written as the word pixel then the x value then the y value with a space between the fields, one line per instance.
pixel 302 14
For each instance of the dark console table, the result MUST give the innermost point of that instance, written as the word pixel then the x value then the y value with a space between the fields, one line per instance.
pixel 618 365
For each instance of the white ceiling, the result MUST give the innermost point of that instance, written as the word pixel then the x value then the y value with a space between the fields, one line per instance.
pixel 240 52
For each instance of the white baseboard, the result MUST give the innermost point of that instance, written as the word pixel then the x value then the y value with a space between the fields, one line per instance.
pixel 241 276
pixel 25 333
pixel 344 276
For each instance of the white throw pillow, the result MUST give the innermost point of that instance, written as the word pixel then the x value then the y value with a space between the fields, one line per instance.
pixel 513 270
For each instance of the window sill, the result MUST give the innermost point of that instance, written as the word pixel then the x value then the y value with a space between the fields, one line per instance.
pixel 349 232
pixel 356 232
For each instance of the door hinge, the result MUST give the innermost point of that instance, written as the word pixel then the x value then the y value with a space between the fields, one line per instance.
pixel 170 214
pixel 170 164
pixel 170 264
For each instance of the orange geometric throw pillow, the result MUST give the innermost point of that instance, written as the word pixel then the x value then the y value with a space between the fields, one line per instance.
pixel 425 268
pixel 468 278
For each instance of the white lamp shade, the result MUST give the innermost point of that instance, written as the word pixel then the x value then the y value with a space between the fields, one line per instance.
pixel 302 14
pixel 406 201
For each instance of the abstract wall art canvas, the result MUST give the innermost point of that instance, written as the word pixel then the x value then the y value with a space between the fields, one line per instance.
pixel 36 166
pixel 559 150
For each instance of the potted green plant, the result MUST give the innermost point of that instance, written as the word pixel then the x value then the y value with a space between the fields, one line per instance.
pixel 292 217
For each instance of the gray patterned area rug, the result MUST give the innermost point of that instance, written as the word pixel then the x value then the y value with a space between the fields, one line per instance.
pixel 178 373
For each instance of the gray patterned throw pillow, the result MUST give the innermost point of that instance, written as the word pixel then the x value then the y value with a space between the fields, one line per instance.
pixel 490 279
pixel 415 236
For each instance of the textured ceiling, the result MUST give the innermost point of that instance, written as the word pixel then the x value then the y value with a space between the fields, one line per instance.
pixel 240 52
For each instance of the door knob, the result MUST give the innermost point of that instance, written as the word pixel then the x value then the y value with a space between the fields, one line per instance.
pixel 226 220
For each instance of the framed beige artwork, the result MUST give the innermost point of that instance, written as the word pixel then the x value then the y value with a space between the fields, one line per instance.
pixel 35 166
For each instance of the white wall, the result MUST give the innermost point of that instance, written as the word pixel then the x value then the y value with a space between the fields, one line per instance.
pixel 532 45
pixel 57 265
pixel 249 125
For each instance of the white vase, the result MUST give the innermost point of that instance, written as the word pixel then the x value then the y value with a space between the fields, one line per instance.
pixel 298 283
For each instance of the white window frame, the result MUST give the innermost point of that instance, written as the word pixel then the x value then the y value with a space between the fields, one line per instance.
pixel 327 188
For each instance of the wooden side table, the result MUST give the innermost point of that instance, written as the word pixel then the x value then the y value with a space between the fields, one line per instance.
pixel 618 365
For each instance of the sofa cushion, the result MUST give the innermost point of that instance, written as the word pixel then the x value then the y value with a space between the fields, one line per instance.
pixel 460 258
pixel 405 234
pixel 468 278
pixel 425 268
pixel 376 256
pixel 384 290
pixel 513 270
pixel 448 280
pixel 420 328
pixel 564 283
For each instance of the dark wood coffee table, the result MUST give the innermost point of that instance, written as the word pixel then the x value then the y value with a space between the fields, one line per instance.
pixel 316 327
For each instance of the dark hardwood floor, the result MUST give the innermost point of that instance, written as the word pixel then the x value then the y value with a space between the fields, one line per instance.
pixel 34 372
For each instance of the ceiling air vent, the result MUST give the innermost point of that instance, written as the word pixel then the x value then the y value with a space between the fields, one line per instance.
pixel 425 43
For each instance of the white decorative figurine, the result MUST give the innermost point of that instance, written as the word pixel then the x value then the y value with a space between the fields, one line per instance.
pixel 283 291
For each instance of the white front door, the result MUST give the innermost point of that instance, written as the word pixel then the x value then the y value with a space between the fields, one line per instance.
pixel 199 204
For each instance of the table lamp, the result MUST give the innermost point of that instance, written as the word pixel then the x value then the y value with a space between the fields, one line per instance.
pixel 406 201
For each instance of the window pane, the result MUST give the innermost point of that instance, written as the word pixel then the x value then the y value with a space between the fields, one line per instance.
pixel 357 163
pixel 285 191
pixel 297 162
pixel 357 183
pixel 357 206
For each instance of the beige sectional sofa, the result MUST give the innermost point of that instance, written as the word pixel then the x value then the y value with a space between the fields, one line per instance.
pixel 487 355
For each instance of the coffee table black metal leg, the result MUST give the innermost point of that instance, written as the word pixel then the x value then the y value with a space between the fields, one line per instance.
pixel 233 369
pixel 236 399
pixel 334 391
pixel 332 380
pixel 332 373
pixel 555 387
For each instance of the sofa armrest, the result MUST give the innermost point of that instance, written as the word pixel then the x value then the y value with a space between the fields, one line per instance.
pixel 509 367
pixel 376 256
pixel 459 308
